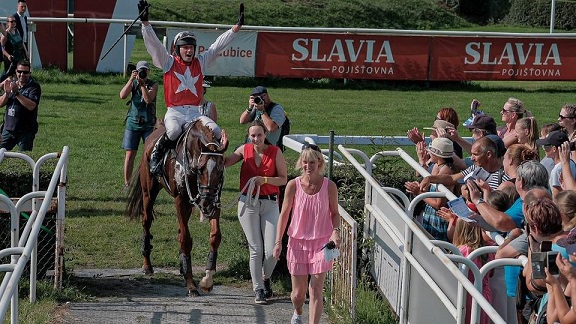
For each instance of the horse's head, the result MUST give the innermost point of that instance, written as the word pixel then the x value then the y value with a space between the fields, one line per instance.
pixel 209 170
pixel 210 178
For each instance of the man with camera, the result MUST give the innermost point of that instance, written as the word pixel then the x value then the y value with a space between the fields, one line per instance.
pixel 141 114
pixel 21 98
pixel 261 107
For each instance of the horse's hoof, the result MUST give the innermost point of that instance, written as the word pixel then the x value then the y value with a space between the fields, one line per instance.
pixel 193 293
pixel 206 289
pixel 148 270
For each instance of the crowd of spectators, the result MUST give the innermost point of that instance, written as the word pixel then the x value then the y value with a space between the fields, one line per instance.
pixel 510 188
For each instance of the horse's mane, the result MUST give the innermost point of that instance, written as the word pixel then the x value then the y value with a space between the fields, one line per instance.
pixel 206 136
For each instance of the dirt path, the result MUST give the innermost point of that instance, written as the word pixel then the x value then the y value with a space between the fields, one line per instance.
pixel 125 296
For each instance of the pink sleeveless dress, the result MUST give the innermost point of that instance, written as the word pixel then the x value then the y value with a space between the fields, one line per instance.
pixel 310 228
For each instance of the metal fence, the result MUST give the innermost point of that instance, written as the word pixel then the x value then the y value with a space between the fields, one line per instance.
pixel 24 245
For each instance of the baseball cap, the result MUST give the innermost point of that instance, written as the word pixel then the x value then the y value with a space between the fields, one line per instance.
pixel 500 147
pixel 484 122
pixel 142 65
pixel 258 90
pixel 555 138
pixel 439 123
pixel 206 84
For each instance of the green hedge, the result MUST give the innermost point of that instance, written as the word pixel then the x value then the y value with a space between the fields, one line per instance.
pixel 536 13
pixel 16 177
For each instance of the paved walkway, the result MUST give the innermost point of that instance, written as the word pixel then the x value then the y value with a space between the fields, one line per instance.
pixel 142 302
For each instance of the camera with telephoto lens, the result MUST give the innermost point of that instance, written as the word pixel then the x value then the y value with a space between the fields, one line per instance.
pixel 142 74
pixel 258 100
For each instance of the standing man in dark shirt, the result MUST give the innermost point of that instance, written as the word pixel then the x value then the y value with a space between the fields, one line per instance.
pixel 21 99
pixel 22 20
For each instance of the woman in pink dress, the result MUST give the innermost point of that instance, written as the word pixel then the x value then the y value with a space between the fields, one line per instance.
pixel 313 200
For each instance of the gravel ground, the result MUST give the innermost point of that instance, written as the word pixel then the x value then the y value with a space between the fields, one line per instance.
pixel 125 296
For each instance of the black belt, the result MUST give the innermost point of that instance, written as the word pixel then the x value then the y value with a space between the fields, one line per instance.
pixel 267 197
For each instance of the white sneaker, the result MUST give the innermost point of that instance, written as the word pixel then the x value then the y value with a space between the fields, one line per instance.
pixel 296 319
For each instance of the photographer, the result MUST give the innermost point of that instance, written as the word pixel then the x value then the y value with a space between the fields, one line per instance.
pixel 21 98
pixel 261 107
pixel 544 230
pixel 141 114
pixel 552 145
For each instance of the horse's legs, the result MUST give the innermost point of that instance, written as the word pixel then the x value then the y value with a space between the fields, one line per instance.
pixel 150 190
pixel 206 284
pixel 184 210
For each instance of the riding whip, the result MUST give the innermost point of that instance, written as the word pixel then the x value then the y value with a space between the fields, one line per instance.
pixel 125 31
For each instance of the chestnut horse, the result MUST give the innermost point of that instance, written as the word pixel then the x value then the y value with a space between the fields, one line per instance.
pixel 193 175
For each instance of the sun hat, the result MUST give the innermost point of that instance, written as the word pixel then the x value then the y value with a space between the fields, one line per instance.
pixel 555 138
pixel 484 122
pixel 441 147
pixel 439 123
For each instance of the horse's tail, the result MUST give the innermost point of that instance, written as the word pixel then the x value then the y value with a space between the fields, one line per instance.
pixel 135 205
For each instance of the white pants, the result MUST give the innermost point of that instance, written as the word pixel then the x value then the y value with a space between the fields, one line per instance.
pixel 259 225
pixel 178 118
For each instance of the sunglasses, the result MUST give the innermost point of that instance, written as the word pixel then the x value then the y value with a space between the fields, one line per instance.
pixel 22 72
pixel 10 21
pixel 503 111
pixel 311 146
pixel 564 117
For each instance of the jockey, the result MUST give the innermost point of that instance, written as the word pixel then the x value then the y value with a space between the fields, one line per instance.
pixel 183 79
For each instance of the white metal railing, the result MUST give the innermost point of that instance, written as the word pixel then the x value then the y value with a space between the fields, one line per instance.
pixel 410 262
pixel 23 246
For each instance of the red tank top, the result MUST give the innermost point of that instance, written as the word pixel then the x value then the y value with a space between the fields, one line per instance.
pixel 183 83
pixel 267 168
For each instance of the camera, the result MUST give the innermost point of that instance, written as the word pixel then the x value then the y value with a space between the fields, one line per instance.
pixel 572 146
pixel 142 74
pixel 258 100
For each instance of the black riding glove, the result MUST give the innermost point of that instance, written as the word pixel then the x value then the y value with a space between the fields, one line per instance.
pixel 241 15
pixel 143 10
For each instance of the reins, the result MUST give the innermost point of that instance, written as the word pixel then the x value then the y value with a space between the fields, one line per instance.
pixel 250 200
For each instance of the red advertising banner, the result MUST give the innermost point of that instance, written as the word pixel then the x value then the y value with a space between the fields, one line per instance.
pixel 312 55
pixel 51 38
pixel 89 38
pixel 499 58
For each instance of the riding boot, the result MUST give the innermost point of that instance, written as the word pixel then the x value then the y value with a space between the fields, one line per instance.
pixel 158 153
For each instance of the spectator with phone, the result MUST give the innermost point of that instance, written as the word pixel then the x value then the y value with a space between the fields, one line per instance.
pixel 558 309
pixel 543 223
pixel 141 114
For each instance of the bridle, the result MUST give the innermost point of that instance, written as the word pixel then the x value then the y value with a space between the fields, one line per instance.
pixel 205 192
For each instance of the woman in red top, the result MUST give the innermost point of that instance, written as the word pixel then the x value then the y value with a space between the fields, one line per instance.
pixel 263 170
